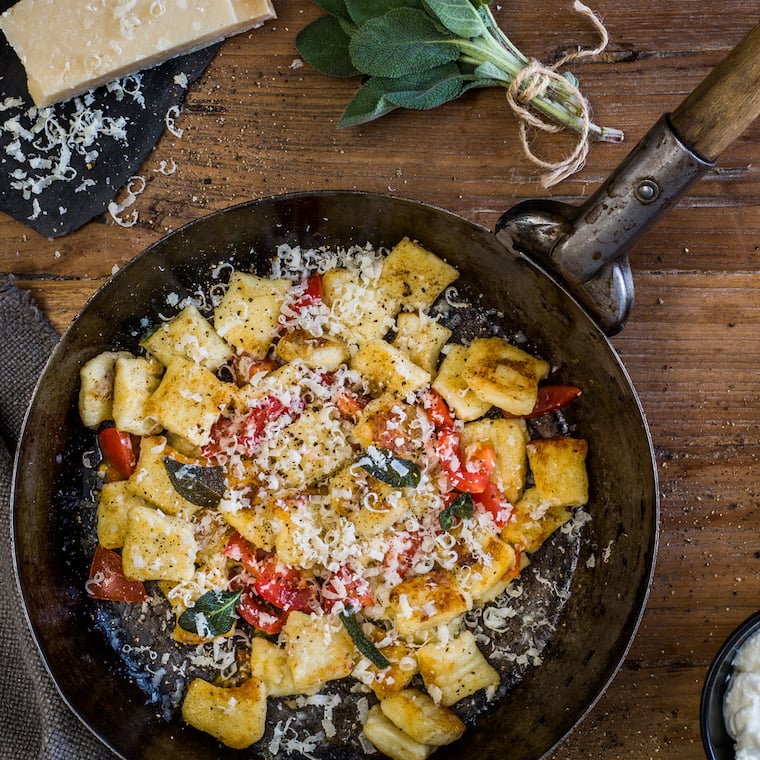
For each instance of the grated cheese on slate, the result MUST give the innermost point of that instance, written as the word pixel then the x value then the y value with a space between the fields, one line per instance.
pixel 42 141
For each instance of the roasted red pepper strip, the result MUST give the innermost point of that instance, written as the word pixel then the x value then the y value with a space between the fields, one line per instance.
pixel 268 410
pixel 346 587
pixel 277 588
pixel 285 586
pixel 107 579
pixel 467 470
pixel 311 295
pixel 492 501
pixel 551 398
pixel 243 437
pixel 260 615
pixel 402 551
pixel 242 551
pixel 118 450
pixel 223 437
pixel 437 410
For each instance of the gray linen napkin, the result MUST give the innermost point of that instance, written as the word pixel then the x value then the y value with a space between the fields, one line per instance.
pixel 34 720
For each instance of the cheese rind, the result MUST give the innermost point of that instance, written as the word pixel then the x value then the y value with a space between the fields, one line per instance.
pixel 98 41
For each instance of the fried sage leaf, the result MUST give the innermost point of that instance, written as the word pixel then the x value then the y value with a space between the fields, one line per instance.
pixel 390 468
pixel 213 614
pixel 460 508
pixel 362 642
pixel 202 486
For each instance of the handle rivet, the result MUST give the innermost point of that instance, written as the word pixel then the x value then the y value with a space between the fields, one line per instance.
pixel 647 191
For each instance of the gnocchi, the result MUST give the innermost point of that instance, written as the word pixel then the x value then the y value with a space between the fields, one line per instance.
pixel 318 460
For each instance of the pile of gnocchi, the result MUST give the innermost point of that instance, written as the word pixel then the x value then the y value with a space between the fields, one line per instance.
pixel 312 459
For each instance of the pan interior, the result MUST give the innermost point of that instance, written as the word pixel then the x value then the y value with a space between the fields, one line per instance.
pixel 562 641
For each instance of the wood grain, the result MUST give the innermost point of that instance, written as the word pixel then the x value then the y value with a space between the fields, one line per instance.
pixel 257 124
pixel 725 103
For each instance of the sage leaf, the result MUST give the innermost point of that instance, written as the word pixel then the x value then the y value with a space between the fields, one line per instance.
pixel 380 95
pixel 213 614
pixel 362 641
pixel 324 45
pixel 391 469
pixel 488 70
pixel 459 18
pixel 393 39
pixel 335 8
pixel 202 486
pixel 401 41
pixel 426 90
pixel 362 10
pixel 461 507
pixel 368 103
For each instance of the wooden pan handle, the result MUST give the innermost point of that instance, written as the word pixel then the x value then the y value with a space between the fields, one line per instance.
pixel 724 104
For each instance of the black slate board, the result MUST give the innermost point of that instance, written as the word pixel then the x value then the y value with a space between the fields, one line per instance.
pixel 65 205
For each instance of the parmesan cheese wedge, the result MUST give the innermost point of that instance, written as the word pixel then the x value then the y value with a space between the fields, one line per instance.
pixel 88 43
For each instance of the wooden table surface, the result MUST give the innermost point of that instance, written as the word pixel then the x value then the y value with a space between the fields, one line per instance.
pixel 257 124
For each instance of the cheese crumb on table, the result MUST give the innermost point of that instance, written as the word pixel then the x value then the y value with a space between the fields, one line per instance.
pixel 96 43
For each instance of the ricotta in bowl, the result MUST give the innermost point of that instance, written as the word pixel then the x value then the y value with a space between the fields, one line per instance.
pixel 741 706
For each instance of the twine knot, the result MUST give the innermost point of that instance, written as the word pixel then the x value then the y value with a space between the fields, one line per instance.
pixel 533 81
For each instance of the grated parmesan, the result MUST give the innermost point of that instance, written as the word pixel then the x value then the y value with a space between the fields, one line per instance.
pixel 171 115
pixel 134 187
pixel 266 476
pixel 42 141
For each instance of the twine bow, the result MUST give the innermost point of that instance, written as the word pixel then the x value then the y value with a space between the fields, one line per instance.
pixel 532 81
